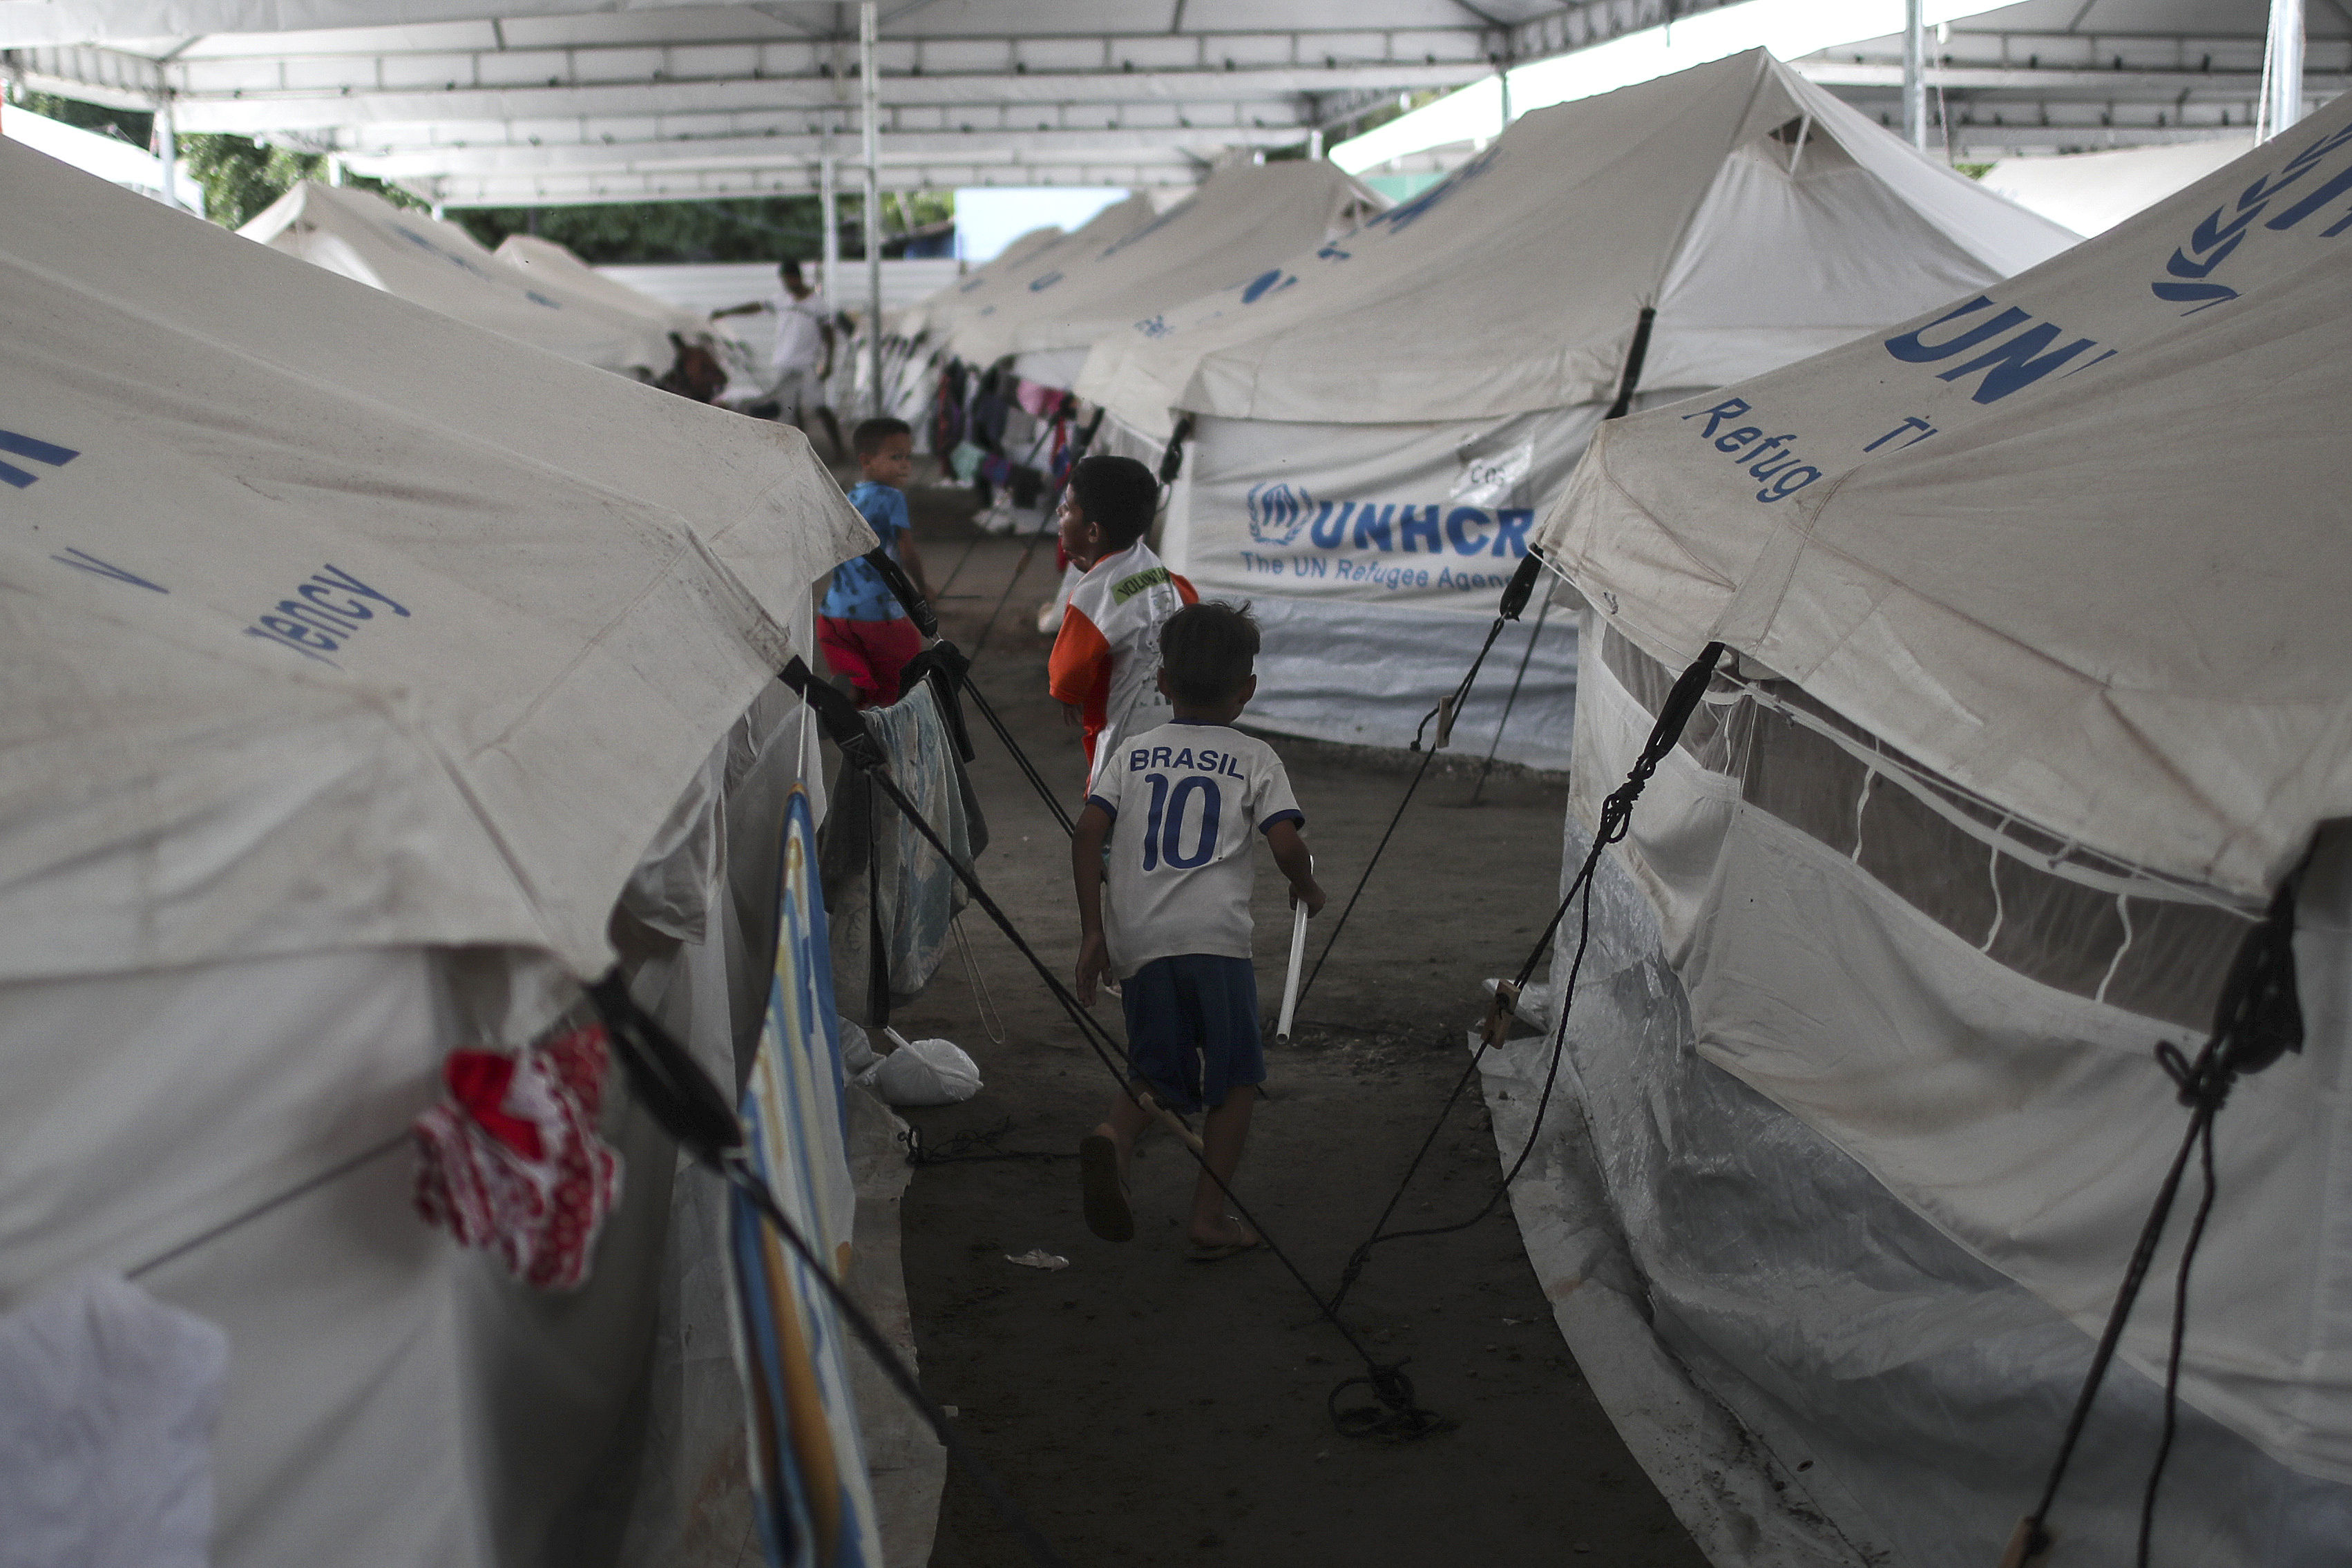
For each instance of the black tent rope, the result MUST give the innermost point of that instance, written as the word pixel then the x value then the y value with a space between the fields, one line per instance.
pixel 680 1096
pixel 1395 1413
pixel 1527 657
pixel 1054 500
pixel 958 669
pixel 1616 820
pixel 1628 384
pixel 1515 595
pixel 2258 1019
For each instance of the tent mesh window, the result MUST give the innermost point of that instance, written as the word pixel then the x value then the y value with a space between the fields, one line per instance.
pixel 2052 913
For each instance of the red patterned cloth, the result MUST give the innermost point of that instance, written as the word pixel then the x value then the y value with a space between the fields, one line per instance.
pixel 511 1158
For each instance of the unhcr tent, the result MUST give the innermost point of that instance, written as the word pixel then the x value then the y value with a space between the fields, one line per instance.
pixel 2090 193
pixel 1110 274
pixel 556 270
pixel 1376 423
pixel 356 663
pixel 2041 690
pixel 440 266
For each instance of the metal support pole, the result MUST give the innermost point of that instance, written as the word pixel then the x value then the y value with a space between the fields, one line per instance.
pixel 167 149
pixel 1914 73
pixel 2281 68
pixel 828 184
pixel 872 96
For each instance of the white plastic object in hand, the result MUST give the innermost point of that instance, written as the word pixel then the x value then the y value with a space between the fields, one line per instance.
pixel 1297 957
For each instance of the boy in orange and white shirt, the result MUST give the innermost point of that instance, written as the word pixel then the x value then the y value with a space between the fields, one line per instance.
pixel 1106 661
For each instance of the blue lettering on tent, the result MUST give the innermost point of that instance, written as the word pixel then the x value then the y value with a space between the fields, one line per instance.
pixel 1372 526
pixel 2016 362
pixel 2188 270
pixel 39 451
pixel 1037 285
pixel 1511 525
pixel 1420 523
pixel 1264 283
pixel 1458 523
pixel 536 297
pixel 83 560
pixel 1329 529
pixel 314 624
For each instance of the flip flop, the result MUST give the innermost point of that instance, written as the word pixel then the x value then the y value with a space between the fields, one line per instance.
pixel 1218 1251
pixel 1108 1214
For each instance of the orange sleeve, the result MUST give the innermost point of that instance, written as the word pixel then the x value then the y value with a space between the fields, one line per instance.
pixel 1080 661
pixel 1185 589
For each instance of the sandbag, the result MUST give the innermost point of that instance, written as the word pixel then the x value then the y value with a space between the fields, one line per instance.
pixel 924 1072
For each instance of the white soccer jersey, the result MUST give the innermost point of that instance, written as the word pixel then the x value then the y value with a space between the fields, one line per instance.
pixel 1105 660
pixel 1187 801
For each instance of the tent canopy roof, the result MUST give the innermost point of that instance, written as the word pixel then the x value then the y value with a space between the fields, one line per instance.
pixel 1760 217
pixel 2076 540
pixel 440 266
pixel 1242 219
pixel 330 622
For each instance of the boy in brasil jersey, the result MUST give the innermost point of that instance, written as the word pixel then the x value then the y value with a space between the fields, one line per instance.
pixel 1178 806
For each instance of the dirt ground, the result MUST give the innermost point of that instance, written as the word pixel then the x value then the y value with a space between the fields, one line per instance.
pixel 1147 1409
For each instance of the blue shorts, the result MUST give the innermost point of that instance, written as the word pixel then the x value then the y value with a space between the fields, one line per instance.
pixel 1192 1028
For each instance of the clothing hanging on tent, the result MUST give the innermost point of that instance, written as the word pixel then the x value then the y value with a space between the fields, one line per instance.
pixel 891 894
pixel 807 1455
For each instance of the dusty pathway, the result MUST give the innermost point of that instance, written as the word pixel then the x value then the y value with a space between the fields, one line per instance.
pixel 1147 1409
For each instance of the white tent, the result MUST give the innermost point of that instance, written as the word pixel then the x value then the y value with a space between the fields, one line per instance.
pixel 1242 219
pixel 2044 686
pixel 1377 421
pixel 353 660
pixel 439 265
pixel 556 269
pixel 2090 193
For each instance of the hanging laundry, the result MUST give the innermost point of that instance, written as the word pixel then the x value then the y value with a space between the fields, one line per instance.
pixel 1036 398
pixel 510 1159
pixel 890 892
pixel 108 1402
pixel 806 1454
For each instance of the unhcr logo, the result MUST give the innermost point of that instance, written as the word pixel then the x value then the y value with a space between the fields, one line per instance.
pixel 1278 512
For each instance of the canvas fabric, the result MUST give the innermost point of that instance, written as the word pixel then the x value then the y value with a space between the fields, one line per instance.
pixel 438 265
pixel 1515 284
pixel 1861 1094
pixel 2071 541
pixel 419 613
pixel 1244 218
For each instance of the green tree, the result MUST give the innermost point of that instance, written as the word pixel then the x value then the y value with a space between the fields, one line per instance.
pixel 136 126
pixel 241 178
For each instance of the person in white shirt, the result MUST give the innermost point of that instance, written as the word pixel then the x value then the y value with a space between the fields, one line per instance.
pixel 1176 807
pixel 802 356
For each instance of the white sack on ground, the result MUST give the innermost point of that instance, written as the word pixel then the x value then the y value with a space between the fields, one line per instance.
pixel 438 265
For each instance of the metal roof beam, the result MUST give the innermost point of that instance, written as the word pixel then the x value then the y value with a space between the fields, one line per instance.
pixel 753 151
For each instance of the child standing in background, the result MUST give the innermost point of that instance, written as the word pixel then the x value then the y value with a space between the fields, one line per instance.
pixel 861 626
pixel 1178 806
pixel 1108 652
